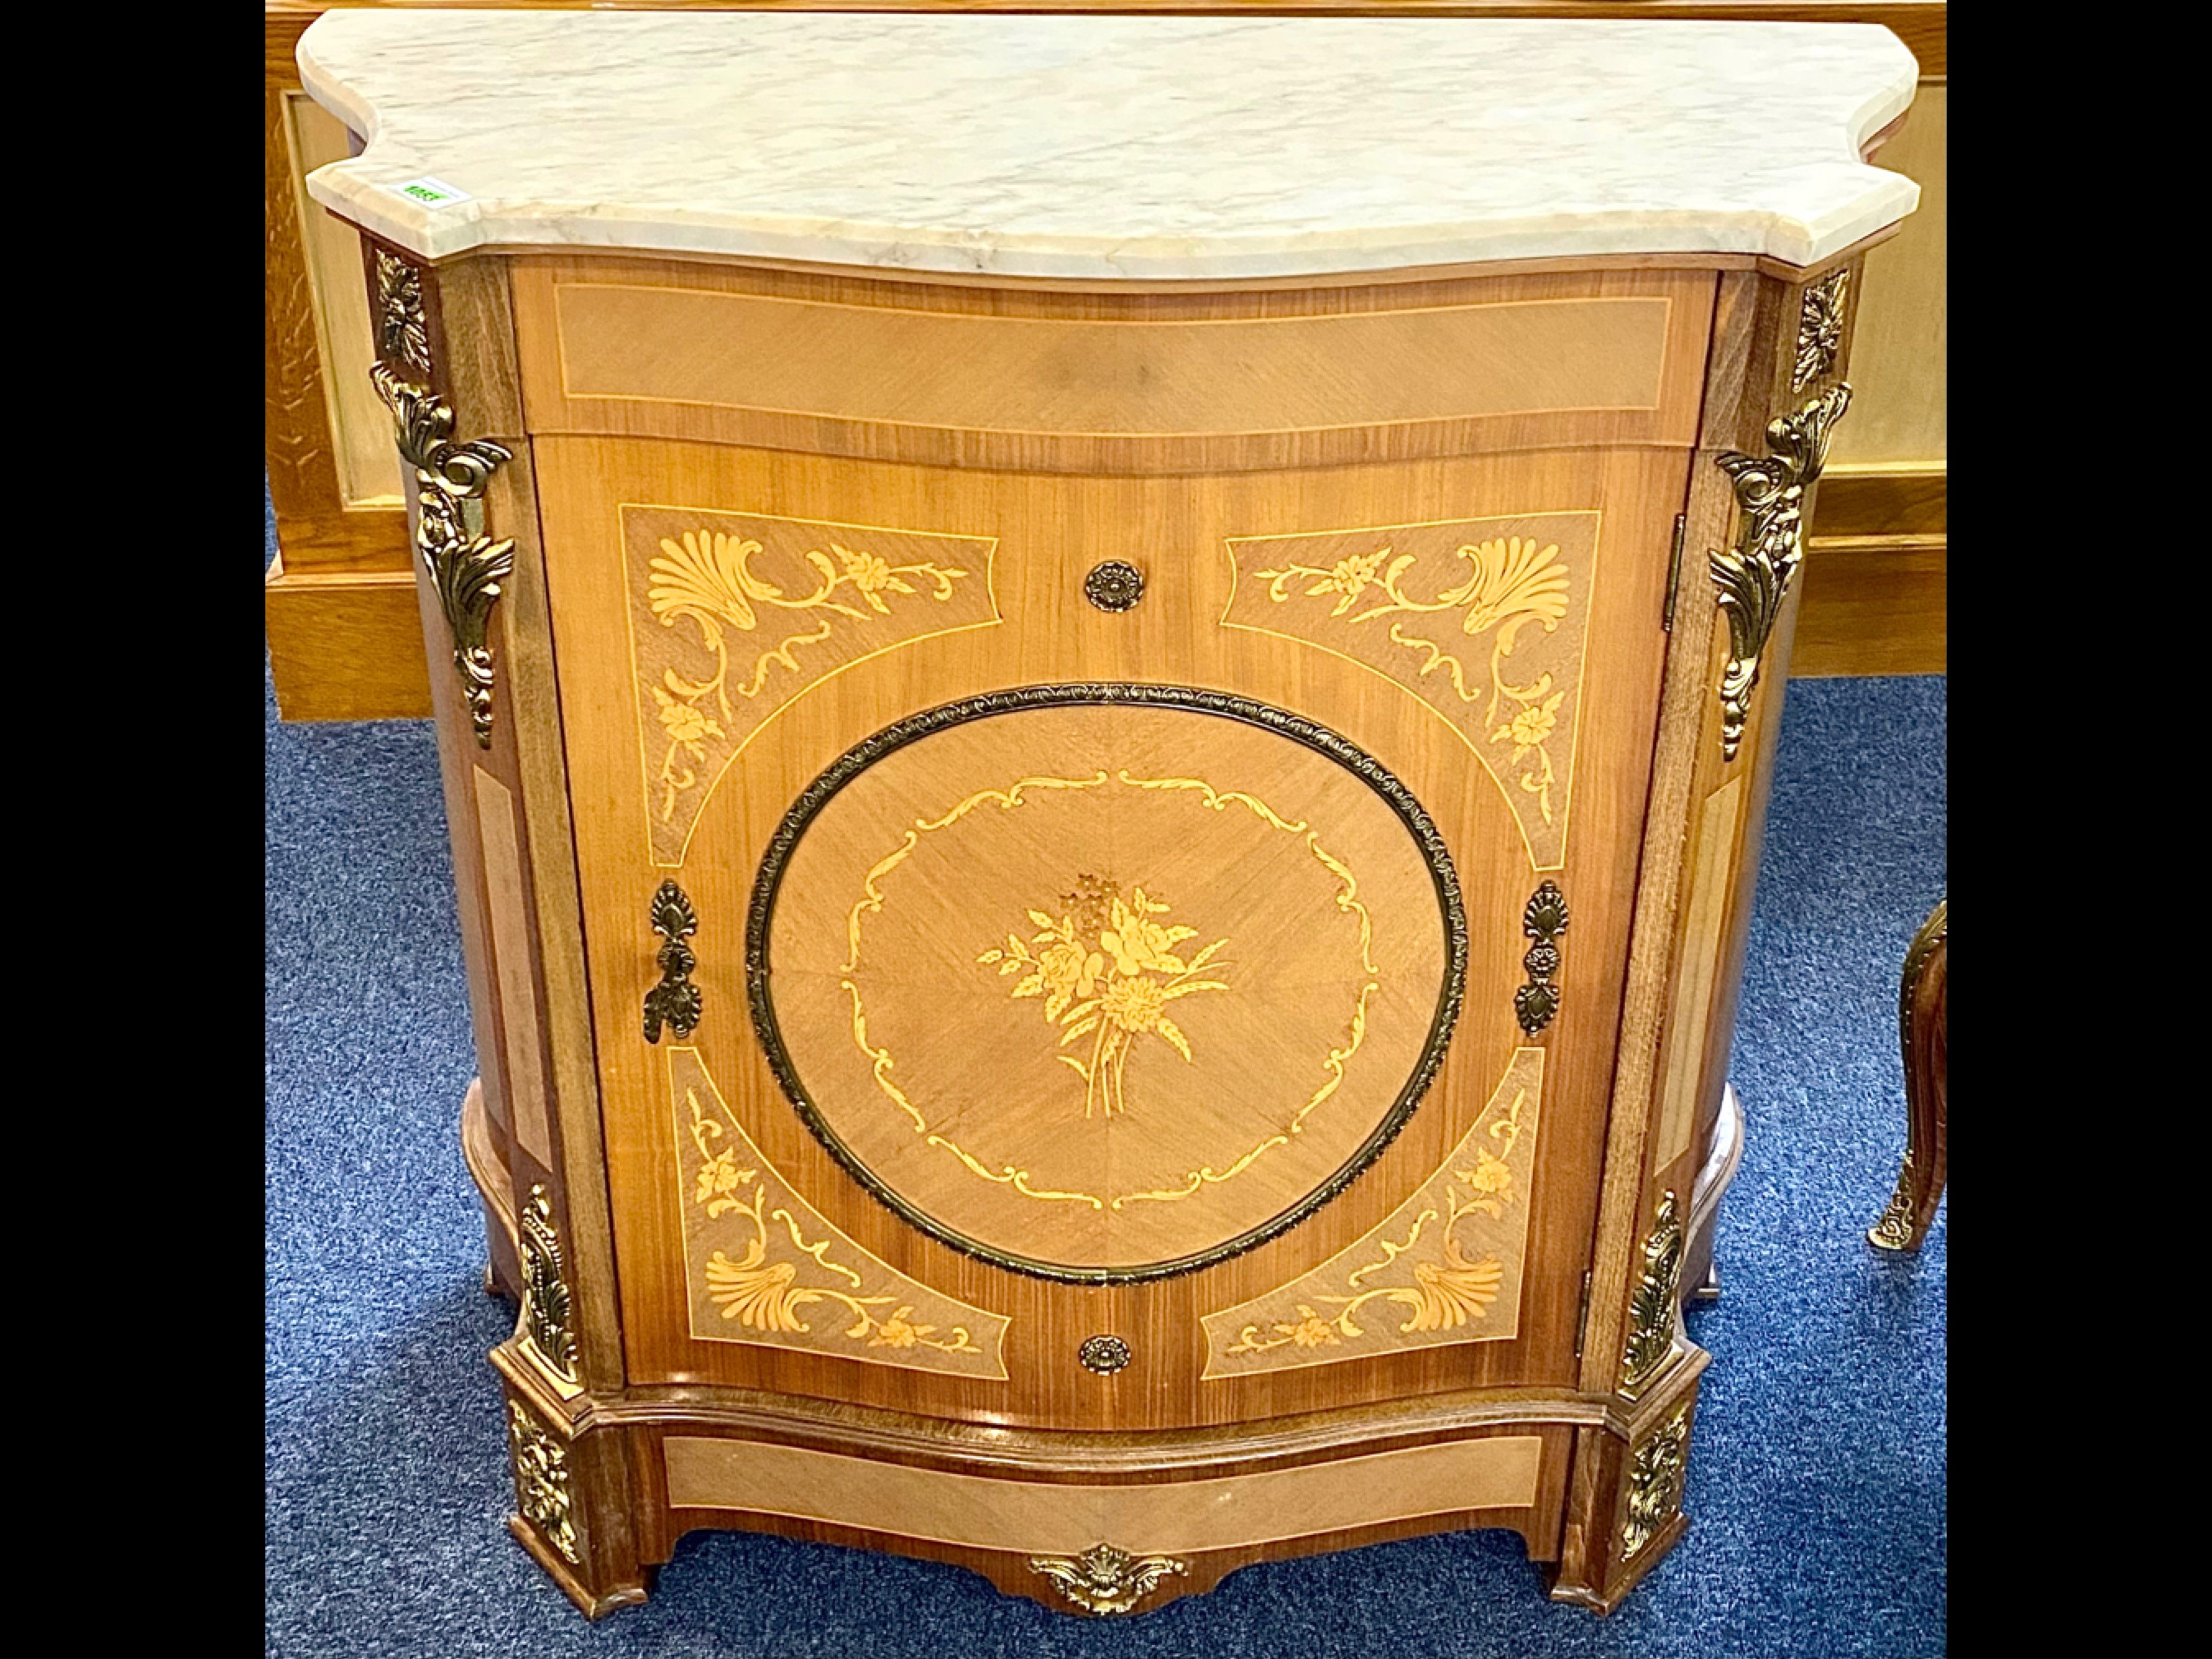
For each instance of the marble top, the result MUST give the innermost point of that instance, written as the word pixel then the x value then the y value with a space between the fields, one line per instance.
pixel 1137 147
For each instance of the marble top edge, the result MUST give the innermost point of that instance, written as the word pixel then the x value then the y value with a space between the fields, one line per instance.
pixel 1138 148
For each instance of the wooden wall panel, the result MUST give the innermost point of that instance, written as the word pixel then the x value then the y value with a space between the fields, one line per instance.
pixel 367 464
pixel 1899 353
pixel 346 645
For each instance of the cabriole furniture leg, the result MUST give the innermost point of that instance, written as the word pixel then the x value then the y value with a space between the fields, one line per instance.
pixel 1920 1018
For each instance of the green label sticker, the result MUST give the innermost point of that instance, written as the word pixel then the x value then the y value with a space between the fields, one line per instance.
pixel 430 192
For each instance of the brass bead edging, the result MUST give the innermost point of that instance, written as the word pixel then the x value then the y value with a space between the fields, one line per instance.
pixel 465 569
pixel 1103 1580
pixel 676 1000
pixel 1754 577
pixel 776 859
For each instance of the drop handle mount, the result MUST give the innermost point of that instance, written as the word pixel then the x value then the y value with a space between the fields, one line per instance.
pixel 675 1001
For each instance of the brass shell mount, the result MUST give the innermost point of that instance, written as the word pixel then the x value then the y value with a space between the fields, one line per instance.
pixel 1103 1354
pixel 1114 585
pixel 1103 1580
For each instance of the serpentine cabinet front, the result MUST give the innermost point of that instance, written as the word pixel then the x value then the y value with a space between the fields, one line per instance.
pixel 1108 826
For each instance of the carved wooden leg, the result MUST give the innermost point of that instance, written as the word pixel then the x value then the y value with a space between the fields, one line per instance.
pixel 1920 1014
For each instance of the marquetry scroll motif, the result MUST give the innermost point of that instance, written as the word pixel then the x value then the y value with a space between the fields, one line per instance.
pixel 1444 1267
pixel 733 617
pixel 1654 1308
pixel 541 1480
pixel 1754 577
pixel 1106 966
pixel 402 331
pixel 1485 621
pixel 547 1308
pixel 466 567
pixel 1103 1580
pixel 295 418
pixel 1657 1472
pixel 763 1267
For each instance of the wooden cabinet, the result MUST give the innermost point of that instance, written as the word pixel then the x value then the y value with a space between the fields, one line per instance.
pixel 1104 917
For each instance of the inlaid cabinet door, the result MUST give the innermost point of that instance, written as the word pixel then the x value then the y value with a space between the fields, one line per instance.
pixel 1105 952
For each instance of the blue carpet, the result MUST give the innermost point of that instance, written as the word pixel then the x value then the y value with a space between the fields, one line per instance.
pixel 1816 1487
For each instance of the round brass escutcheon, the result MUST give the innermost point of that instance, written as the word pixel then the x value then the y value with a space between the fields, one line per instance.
pixel 1103 1354
pixel 1114 585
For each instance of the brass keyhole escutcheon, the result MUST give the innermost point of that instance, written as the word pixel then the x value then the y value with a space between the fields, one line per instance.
pixel 1114 585
pixel 1103 1354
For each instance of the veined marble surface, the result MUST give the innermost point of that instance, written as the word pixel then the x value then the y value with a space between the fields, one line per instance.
pixel 1139 148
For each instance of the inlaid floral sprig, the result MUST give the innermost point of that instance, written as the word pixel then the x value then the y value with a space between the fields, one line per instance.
pixel 1107 970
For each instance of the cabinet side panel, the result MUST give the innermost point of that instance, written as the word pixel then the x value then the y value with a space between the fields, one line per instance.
pixel 511 953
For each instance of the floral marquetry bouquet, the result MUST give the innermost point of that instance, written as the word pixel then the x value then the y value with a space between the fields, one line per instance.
pixel 1107 968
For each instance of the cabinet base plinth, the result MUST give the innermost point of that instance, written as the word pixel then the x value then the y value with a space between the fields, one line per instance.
pixel 593 1606
pixel 1084 1528
pixel 1581 1595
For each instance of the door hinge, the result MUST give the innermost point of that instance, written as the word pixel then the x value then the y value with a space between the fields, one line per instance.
pixel 1674 573
pixel 1582 1319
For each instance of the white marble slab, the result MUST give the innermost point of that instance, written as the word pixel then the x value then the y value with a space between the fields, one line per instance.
pixel 1147 148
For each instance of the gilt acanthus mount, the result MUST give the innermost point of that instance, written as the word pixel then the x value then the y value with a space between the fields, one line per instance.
pixel 1819 328
pixel 1754 577
pixel 402 331
pixel 466 567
